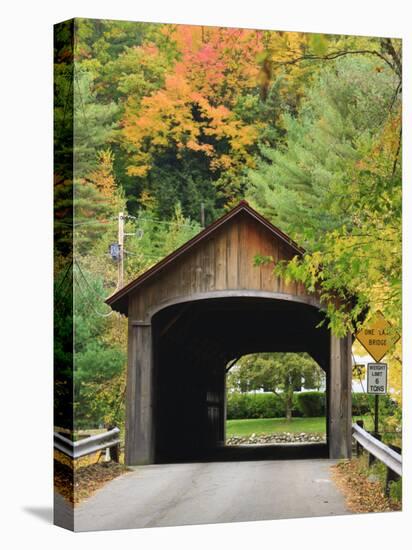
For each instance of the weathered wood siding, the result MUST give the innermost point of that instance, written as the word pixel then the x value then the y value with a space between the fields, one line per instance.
pixel 177 358
pixel 340 397
pixel 224 261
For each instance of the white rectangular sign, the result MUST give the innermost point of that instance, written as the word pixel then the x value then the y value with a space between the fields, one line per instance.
pixel 377 378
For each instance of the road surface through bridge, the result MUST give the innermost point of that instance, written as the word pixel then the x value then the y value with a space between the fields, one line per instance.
pixel 213 492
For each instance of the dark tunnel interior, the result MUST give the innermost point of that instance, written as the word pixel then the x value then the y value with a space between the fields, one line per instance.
pixel 192 344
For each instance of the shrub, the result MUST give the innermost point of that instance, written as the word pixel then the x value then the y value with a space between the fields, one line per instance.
pixel 311 403
pixel 254 405
pixel 307 404
pixel 360 404
pixel 395 490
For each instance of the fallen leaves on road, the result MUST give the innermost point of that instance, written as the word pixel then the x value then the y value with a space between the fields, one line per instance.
pixel 75 486
pixel 362 495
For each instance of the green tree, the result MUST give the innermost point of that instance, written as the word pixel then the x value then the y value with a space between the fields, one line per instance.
pixel 284 372
pixel 63 344
pixel 336 188
pixel 94 123
pixel 99 362
pixel 100 334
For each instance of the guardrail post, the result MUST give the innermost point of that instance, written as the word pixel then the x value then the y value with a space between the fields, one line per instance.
pixel 389 455
pixel 390 474
pixel 372 458
pixel 115 453
pixel 358 445
pixel 115 450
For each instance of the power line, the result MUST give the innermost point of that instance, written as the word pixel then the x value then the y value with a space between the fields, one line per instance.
pixel 92 289
pixel 176 223
pixel 121 217
pixel 157 220
pixel 91 304
pixel 89 222
pixel 64 278
pixel 113 220
pixel 104 222
pixel 143 255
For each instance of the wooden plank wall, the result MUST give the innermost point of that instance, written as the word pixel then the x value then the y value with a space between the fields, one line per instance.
pixel 224 261
pixel 139 402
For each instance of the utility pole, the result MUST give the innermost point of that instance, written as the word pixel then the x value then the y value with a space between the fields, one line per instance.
pixel 120 240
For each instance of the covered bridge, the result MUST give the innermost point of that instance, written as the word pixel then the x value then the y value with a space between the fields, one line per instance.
pixel 203 306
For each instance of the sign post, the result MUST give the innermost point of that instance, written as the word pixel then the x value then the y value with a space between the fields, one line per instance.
pixel 377 384
pixel 376 427
pixel 377 338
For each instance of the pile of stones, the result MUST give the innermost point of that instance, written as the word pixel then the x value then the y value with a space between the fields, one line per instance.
pixel 278 438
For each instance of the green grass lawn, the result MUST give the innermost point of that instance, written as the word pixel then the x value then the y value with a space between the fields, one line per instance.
pixel 245 427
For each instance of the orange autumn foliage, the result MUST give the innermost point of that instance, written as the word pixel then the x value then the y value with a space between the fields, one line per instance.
pixel 193 110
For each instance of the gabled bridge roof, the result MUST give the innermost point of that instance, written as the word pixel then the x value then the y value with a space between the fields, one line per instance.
pixel 117 300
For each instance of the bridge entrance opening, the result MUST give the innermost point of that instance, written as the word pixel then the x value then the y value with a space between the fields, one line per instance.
pixel 195 343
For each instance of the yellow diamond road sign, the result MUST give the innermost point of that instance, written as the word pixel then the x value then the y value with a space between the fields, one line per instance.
pixel 378 337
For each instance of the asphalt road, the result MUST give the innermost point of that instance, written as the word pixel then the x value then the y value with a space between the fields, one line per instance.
pixel 212 492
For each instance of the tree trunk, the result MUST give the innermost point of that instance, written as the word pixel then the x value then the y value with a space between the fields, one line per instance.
pixel 288 401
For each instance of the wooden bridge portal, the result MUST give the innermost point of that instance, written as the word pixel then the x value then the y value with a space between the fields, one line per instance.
pixel 202 306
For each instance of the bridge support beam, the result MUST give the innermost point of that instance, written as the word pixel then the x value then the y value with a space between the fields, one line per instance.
pixel 223 408
pixel 139 410
pixel 340 398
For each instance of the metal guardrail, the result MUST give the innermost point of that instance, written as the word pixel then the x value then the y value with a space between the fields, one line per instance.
pixel 87 446
pixel 378 450
pixel 382 452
